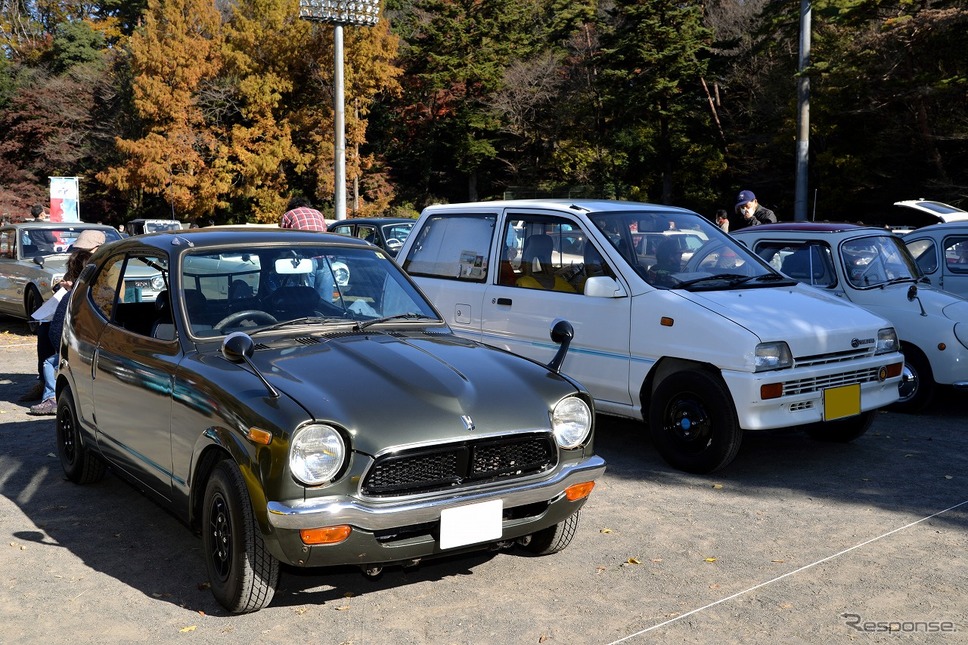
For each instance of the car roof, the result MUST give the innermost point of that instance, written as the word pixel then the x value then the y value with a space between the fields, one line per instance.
pixel 228 235
pixel 808 227
pixel 943 228
pixel 374 220
pixel 72 225
pixel 573 205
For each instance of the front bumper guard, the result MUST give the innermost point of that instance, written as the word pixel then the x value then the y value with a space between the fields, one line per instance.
pixel 375 516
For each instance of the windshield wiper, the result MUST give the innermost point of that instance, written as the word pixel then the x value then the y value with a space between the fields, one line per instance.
pixel 363 324
pixel 300 321
pixel 732 278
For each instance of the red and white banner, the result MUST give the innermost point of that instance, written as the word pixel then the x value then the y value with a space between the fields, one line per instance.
pixel 64 199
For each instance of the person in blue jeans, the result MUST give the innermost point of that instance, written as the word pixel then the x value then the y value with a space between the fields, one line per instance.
pixel 86 243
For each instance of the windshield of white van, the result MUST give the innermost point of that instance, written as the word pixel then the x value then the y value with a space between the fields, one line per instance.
pixel 681 250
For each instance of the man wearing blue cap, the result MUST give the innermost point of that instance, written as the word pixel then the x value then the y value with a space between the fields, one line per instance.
pixel 750 210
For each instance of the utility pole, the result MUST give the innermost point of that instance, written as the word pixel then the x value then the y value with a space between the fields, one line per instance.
pixel 803 115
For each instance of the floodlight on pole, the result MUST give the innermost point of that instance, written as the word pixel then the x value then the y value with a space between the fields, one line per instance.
pixel 362 13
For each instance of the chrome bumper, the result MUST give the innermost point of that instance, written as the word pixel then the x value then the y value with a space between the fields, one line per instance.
pixel 376 515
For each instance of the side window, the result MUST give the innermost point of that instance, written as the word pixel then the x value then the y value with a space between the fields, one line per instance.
pixel 8 244
pixel 454 247
pixel 956 254
pixel 367 233
pixel 105 286
pixel 925 254
pixel 808 263
pixel 542 252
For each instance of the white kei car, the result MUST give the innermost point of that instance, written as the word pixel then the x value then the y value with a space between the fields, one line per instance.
pixel 872 268
pixel 941 252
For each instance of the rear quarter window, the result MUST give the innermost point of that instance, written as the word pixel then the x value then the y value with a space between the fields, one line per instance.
pixel 452 247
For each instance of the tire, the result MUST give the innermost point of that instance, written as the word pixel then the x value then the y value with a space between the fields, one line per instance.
pixel 917 384
pixel 242 572
pixel 693 423
pixel 554 538
pixel 32 302
pixel 842 430
pixel 80 465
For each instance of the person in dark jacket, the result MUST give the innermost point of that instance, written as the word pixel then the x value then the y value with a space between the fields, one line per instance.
pixel 86 243
pixel 751 212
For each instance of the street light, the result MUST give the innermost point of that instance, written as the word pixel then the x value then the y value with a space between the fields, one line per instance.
pixel 362 13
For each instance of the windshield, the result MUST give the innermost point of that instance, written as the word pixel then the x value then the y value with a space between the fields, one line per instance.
pixel 681 250
pixel 262 289
pixel 154 227
pixel 877 260
pixel 43 241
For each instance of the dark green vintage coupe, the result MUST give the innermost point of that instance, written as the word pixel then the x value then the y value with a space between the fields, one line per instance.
pixel 294 398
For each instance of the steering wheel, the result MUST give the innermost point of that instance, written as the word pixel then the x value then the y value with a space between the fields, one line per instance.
pixel 254 315
pixel 393 244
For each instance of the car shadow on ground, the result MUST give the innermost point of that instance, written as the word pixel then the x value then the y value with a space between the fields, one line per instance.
pixel 904 462
pixel 115 530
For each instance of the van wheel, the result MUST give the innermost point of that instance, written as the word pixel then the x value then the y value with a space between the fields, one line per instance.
pixel 242 572
pixel 842 430
pixel 80 465
pixel 916 388
pixel 693 423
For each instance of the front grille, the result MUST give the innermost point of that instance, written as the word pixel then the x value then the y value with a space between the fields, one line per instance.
pixel 834 357
pixel 819 383
pixel 450 466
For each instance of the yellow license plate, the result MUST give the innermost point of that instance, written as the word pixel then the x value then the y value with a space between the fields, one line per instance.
pixel 840 402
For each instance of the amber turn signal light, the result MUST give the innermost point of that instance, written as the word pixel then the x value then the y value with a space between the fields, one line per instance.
pixel 258 435
pixel 771 391
pixel 579 491
pixel 325 535
pixel 894 369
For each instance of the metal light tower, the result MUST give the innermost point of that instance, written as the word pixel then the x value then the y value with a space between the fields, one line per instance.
pixel 362 13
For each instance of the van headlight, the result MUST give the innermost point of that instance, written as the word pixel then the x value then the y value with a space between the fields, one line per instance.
pixel 571 421
pixel 316 454
pixel 886 341
pixel 772 356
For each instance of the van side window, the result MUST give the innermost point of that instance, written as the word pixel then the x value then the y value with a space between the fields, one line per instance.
pixel 956 254
pixel 543 252
pixel 454 247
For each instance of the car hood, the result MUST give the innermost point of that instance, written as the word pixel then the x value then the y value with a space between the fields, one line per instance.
pixel 428 382
pixel 806 318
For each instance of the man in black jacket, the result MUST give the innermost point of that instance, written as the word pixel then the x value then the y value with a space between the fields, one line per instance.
pixel 751 212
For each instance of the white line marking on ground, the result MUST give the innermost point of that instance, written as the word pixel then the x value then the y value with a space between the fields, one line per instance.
pixel 785 575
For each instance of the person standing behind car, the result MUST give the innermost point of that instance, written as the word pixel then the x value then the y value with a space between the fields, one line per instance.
pixel 751 212
pixel 722 220
pixel 300 214
pixel 85 245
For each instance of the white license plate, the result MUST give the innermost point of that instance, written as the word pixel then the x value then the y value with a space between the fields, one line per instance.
pixel 471 524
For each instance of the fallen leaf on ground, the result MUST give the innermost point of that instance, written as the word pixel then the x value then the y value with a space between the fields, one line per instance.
pixel 717 486
pixel 634 561
pixel 202 586
pixel 343 608
pixel 605 530
pixel 710 560
pixel 190 628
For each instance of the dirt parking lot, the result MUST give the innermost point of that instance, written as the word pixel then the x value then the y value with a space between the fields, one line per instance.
pixel 795 542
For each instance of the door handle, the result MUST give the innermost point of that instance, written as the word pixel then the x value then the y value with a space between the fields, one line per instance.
pixel 504 301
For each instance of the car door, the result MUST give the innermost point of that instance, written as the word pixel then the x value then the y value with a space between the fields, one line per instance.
pixel 10 283
pixel 133 378
pixel 518 312
pixel 954 264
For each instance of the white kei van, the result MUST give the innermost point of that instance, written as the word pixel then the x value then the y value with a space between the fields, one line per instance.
pixel 674 322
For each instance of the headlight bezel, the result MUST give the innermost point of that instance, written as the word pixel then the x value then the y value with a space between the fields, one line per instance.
pixel 572 421
pixel 301 450
pixel 771 356
pixel 887 341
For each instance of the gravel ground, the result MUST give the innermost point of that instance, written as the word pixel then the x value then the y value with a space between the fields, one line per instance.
pixel 795 542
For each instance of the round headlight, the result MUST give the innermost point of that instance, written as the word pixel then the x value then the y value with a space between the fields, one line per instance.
pixel 571 421
pixel 158 283
pixel 316 454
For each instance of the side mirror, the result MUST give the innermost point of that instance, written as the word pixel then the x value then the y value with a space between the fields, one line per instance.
pixel 602 286
pixel 237 347
pixel 561 334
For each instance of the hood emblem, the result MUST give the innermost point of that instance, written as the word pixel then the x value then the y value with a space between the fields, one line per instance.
pixel 857 342
pixel 468 422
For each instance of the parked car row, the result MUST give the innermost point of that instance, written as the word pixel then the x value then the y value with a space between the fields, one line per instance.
pixel 304 401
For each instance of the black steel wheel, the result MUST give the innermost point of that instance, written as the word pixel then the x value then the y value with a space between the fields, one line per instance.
pixel 32 302
pixel 242 572
pixel 692 422
pixel 80 465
